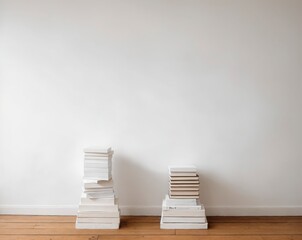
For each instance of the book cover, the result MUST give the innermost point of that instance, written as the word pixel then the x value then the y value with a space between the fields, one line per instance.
pixel 97 214
pixel 184 219
pixel 183 225
pixel 80 225
pixel 97 150
pixel 182 168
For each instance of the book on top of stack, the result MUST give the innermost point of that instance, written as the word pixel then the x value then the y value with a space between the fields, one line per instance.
pixel 98 164
pixel 181 209
pixel 98 207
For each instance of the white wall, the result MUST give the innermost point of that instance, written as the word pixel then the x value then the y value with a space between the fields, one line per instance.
pixel 211 83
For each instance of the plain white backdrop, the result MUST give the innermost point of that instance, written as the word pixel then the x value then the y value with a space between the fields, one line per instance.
pixel 212 83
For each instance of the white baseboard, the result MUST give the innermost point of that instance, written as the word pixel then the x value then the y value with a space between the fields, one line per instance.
pixel 155 210
pixel 39 209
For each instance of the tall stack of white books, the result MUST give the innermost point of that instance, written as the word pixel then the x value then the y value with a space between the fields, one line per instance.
pixel 181 209
pixel 98 208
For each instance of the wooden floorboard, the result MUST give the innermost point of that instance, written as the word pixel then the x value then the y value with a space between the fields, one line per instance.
pixel 18 227
pixel 265 219
pixel 48 237
pixel 188 237
pixel 126 228
pixel 35 219
pixel 172 237
pixel 246 229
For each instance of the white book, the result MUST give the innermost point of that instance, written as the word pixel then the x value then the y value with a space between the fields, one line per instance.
pixel 183 197
pixel 97 214
pixel 93 195
pixel 170 201
pixel 102 155
pixel 98 201
pixel 98 158
pixel 104 168
pixel 88 207
pixel 184 219
pixel 97 170
pixel 99 176
pixel 98 190
pixel 98 220
pixel 91 154
pixel 102 162
pixel 97 184
pixel 106 175
pixel 183 213
pixel 182 207
pixel 100 195
pixel 80 225
pixel 97 150
pixel 182 168
pixel 97 165
pixel 183 225
pixel 185 193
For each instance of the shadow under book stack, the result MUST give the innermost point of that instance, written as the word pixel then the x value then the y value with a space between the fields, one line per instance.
pixel 181 209
pixel 98 208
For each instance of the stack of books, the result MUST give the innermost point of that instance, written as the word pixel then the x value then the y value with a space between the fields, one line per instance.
pixel 98 208
pixel 98 164
pixel 184 182
pixel 181 209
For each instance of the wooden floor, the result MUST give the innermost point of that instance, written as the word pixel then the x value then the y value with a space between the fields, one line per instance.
pixel 147 228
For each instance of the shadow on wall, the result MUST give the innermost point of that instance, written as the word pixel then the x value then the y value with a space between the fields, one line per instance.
pixel 214 190
pixel 137 186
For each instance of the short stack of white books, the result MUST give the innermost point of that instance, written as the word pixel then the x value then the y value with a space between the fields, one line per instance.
pixel 98 208
pixel 181 209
